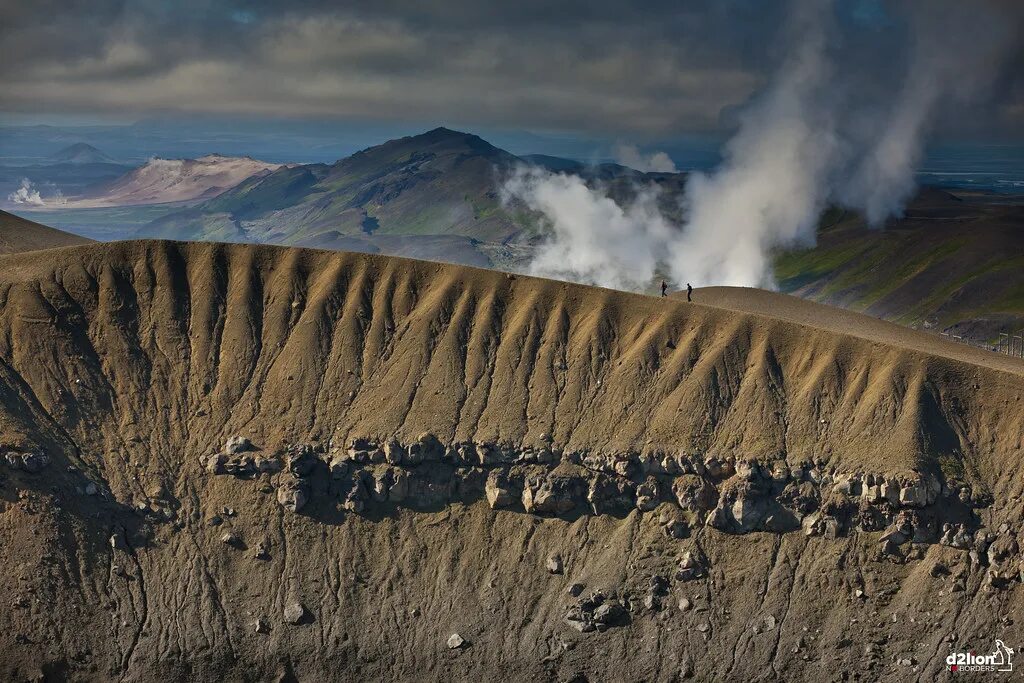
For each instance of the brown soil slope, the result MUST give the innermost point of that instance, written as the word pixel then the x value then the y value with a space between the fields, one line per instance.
pixel 740 495
pixel 18 234
pixel 842 321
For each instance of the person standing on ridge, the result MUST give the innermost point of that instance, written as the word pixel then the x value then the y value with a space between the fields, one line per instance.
pixel 664 288
pixel 689 292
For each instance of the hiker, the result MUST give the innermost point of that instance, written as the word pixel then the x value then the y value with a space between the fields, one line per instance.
pixel 689 292
pixel 664 288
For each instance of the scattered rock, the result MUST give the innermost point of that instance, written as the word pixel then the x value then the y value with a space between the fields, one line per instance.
pixel 31 462
pixel 674 523
pixel 685 604
pixel 652 602
pixel 268 465
pixel 554 564
pixel 295 613
pixel 659 584
pixel 610 613
pixel 691 567
pixel 551 495
pixel 214 464
pixel 694 493
pixel 355 499
pixel 498 491
pixel 237 444
pixel 898 533
pixel 339 468
pixel 456 642
pixel 394 453
pixel 647 497
pixel 813 525
pixel 261 626
pixel 293 495
pixel 301 460
pixel 581 622
pixel 575 589
pixel 596 612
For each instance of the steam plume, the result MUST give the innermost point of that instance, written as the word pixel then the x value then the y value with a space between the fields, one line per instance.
pixel 769 190
pixel 811 138
pixel 592 239
pixel 26 194
pixel 630 155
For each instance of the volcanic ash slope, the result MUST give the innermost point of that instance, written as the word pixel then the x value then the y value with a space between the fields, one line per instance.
pixel 251 463
pixel 19 234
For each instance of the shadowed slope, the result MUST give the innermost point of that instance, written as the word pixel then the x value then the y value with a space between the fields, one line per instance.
pixel 18 234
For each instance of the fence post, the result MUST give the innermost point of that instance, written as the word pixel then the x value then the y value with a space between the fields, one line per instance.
pixel 1010 344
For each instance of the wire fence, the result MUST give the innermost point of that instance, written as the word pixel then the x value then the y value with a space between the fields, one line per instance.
pixel 1008 344
pixel 1011 345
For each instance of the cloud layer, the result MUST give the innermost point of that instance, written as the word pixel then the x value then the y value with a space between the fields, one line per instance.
pixel 601 65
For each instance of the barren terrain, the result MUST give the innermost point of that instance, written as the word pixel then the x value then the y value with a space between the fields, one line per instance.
pixel 259 463
pixel 18 234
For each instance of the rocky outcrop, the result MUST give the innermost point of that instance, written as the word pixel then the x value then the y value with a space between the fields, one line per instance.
pixel 596 612
pixel 730 495
pixel 27 461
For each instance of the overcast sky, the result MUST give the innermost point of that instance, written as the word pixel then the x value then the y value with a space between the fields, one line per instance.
pixel 640 71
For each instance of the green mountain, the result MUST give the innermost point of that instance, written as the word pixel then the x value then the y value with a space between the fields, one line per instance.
pixel 434 195
pixel 439 183
pixel 953 262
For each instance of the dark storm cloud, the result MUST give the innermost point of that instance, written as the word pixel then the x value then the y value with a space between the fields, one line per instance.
pixel 649 68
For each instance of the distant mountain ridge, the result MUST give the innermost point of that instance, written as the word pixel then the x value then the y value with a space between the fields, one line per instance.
pixel 442 184
pixel 162 181
pixel 81 153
